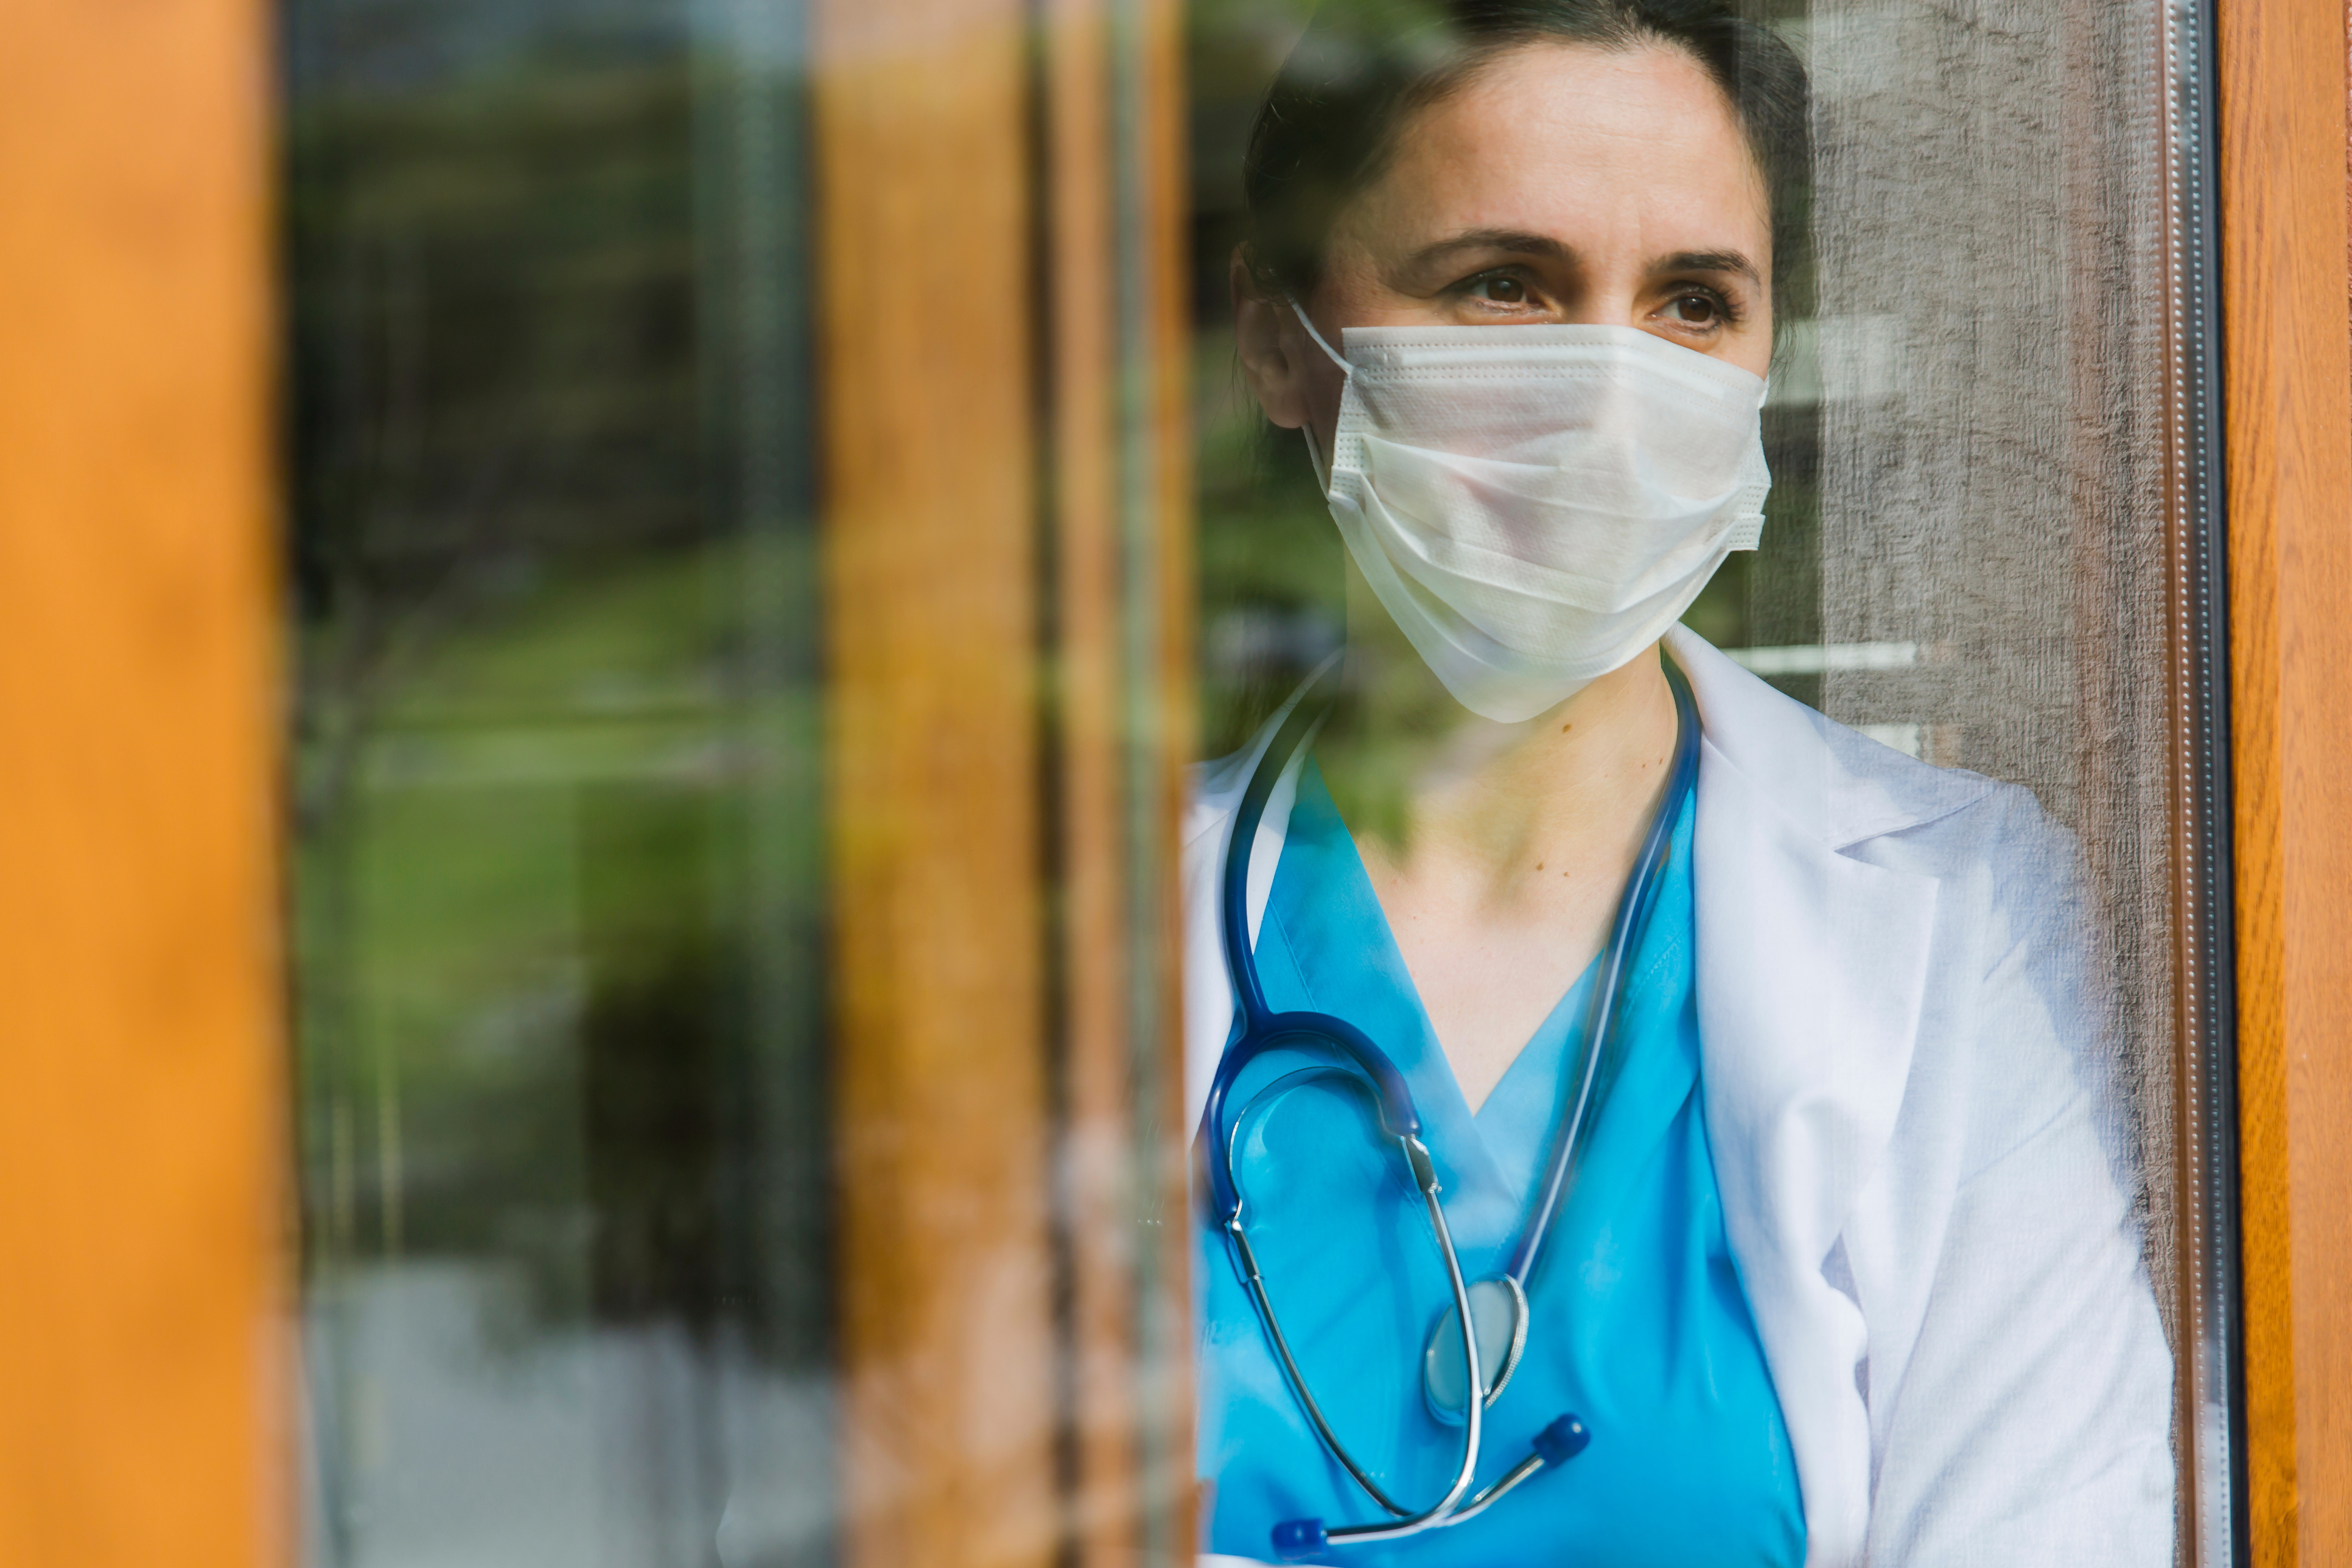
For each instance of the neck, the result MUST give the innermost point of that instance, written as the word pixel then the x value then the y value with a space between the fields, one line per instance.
pixel 1472 810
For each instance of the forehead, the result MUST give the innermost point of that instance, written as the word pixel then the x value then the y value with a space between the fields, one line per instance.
pixel 1599 148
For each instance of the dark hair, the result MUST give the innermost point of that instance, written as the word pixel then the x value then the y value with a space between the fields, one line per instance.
pixel 1329 121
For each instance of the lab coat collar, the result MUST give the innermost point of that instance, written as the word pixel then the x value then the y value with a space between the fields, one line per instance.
pixel 1812 970
pixel 1827 781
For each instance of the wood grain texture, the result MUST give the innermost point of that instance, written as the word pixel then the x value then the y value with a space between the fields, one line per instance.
pixel 1122 340
pixel 140 1081
pixel 1008 604
pixel 1164 198
pixel 1097 1197
pixel 946 1338
pixel 2288 383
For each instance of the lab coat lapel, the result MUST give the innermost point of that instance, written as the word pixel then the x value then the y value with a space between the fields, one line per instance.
pixel 1812 970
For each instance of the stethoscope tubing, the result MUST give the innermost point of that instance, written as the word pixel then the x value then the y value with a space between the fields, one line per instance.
pixel 1262 1029
pixel 1417 1158
pixel 1406 1522
pixel 1600 1021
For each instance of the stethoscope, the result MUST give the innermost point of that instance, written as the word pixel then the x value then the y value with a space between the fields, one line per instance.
pixel 1486 1311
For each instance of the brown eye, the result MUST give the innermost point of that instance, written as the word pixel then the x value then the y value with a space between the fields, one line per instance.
pixel 1504 291
pixel 1698 309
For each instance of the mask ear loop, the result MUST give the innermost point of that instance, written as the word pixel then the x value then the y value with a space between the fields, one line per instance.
pixel 1314 451
pixel 1331 353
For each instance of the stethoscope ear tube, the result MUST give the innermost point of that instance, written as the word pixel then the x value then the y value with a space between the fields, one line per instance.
pixel 1241 965
pixel 1305 1540
pixel 1442 1510
pixel 1391 1098
pixel 1260 1030
pixel 1601 1026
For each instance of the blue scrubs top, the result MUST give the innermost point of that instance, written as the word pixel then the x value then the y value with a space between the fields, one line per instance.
pixel 1637 1324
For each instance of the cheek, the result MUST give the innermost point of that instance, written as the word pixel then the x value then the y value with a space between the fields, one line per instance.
pixel 1753 350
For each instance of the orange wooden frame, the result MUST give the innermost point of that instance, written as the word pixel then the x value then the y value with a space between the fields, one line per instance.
pixel 1003 804
pixel 142 1088
pixel 945 1300
pixel 141 1093
pixel 139 1124
pixel 2288 381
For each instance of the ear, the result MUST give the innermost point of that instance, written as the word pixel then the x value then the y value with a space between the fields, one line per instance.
pixel 1271 347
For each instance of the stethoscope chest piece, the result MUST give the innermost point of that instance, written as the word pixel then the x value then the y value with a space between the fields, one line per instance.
pixel 1498 1311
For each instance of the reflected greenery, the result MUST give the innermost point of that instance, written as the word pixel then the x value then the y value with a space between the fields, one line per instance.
pixel 555 885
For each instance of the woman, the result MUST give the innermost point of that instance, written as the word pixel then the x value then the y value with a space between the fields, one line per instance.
pixel 1750 1062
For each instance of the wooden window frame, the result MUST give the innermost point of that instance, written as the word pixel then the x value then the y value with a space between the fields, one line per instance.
pixel 1001 300
pixel 2287 389
pixel 141 1087
pixel 139 991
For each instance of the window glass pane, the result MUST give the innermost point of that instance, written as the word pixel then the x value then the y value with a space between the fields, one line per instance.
pixel 1036 745
pixel 1474 287
pixel 738 560
pixel 559 918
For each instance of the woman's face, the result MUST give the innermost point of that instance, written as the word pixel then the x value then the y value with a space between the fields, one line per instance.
pixel 1563 183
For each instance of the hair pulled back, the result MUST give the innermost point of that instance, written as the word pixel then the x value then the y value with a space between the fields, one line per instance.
pixel 1329 122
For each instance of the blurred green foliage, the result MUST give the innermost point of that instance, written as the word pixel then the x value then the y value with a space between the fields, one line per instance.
pixel 537 752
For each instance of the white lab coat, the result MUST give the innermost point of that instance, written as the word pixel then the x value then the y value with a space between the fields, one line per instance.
pixel 1917 1158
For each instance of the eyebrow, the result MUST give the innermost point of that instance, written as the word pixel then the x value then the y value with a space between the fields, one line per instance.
pixel 1713 261
pixel 1524 243
pixel 1518 241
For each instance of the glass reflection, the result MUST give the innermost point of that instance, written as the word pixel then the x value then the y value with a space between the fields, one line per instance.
pixel 557 902
pixel 1513 274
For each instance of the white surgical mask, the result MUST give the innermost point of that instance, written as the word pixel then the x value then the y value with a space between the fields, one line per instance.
pixel 1536 505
